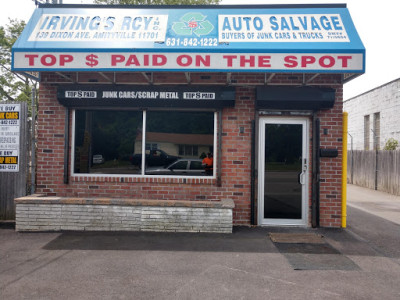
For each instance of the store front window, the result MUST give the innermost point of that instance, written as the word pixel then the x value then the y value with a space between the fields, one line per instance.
pixel 104 141
pixel 173 130
pixel 165 143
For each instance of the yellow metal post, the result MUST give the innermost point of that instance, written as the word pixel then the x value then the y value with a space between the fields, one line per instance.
pixel 344 171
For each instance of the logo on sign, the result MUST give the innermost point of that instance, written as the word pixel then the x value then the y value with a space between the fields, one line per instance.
pixel 80 94
pixel 198 96
pixel 193 23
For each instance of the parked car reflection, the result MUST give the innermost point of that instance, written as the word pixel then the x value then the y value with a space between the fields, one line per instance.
pixel 185 167
pixel 153 158
pixel 98 159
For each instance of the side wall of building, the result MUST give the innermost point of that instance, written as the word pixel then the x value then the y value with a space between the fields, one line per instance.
pixel 384 100
pixel 236 151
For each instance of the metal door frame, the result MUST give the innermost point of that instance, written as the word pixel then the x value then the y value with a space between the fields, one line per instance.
pixel 261 174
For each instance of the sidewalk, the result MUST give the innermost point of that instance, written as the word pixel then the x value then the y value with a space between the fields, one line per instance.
pixel 378 203
pixel 359 262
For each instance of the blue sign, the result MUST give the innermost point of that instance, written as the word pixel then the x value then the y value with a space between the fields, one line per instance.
pixel 287 39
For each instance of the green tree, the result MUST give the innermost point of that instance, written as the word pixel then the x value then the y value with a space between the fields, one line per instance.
pixel 13 86
pixel 158 2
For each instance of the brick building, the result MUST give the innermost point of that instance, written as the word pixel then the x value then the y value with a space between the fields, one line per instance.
pixel 266 82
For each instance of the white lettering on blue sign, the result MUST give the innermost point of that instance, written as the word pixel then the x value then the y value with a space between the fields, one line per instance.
pixel 281 28
pixel 100 27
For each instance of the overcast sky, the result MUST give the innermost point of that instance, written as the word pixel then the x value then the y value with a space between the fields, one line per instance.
pixel 377 23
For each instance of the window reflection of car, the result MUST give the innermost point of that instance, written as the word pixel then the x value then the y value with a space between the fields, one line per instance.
pixel 154 158
pixel 185 167
pixel 98 159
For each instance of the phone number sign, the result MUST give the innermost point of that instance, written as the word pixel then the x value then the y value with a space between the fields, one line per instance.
pixel 9 137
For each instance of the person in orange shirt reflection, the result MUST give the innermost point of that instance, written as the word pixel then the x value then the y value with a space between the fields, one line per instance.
pixel 208 164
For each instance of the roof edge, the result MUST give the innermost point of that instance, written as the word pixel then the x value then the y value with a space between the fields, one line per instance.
pixel 373 89
pixel 322 5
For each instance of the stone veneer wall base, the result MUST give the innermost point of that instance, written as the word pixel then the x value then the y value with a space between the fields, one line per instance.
pixel 38 213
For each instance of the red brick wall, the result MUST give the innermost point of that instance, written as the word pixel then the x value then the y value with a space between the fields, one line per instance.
pixel 236 149
pixel 331 168
pixel 236 153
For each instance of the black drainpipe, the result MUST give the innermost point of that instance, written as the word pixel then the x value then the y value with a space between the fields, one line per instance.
pixel 315 172
pixel 219 149
pixel 66 146
pixel 253 172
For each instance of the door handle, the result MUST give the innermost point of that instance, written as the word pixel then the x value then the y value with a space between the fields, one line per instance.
pixel 302 177
pixel 302 174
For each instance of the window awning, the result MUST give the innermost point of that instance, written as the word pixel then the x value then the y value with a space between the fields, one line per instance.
pixel 275 38
pixel 146 96
pixel 288 97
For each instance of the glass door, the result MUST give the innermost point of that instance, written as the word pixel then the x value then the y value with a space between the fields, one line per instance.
pixel 283 169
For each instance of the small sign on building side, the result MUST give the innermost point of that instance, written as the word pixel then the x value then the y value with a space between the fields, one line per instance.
pixel 9 137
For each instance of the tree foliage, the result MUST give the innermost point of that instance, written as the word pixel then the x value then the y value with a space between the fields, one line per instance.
pixel 158 2
pixel 391 144
pixel 13 87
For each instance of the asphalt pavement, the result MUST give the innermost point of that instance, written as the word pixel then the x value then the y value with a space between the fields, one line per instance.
pixel 359 262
